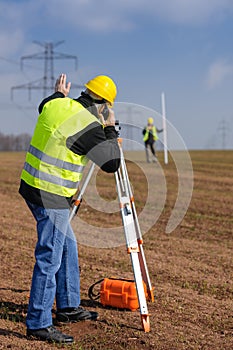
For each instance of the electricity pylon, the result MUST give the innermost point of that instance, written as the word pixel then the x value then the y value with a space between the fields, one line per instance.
pixel 47 82
pixel 223 129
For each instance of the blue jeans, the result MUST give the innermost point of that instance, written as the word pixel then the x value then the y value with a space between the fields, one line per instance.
pixel 56 271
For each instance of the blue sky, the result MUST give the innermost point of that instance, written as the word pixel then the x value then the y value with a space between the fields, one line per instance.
pixel 182 48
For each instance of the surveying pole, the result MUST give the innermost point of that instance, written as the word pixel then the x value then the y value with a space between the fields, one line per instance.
pixel 164 128
pixel 133 237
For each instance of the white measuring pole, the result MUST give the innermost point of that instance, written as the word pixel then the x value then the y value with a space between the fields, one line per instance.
pixel 164 128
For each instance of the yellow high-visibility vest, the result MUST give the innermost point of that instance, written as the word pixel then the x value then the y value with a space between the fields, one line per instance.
pixel 50 165
pixel 154 133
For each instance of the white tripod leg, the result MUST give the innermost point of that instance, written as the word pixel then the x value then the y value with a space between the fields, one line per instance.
pixel 81 192
pixel 143 265
pixel 130 230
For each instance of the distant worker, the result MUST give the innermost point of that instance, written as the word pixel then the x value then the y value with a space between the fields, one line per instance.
pixel 150 137
pixel 68 133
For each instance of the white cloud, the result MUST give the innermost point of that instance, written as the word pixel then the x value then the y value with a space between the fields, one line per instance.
pixel 96 16
pixel 10 42
pixel 218 72
pixel 190 12
pixel 111 15
pixel 11 28
pixel 105 16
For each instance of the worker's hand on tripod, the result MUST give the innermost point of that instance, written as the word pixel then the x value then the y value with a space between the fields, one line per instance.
pixel 110 121
pixel 62 86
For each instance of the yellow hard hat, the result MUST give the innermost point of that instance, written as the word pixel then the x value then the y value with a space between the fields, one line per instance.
pixel 104 87
pixel 150 121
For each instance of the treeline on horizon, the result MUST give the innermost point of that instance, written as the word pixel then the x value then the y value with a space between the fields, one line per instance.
pixel 16 143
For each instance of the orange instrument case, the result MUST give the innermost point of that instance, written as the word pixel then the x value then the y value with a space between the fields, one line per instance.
pixel 119 293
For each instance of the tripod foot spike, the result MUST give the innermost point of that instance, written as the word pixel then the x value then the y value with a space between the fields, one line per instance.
pixel 145 323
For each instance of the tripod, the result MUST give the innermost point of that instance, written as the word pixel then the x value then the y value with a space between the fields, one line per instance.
pixel 132 233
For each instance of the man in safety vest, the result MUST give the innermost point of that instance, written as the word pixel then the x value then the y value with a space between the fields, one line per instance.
pixel 68 133
pixel 149 138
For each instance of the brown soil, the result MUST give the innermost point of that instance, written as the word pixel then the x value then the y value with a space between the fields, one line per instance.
pixel 190 268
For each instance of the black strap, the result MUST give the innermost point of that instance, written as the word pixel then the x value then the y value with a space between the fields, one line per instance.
pixel 91 294
pixel 95 296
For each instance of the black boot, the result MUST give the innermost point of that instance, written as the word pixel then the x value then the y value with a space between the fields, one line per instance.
pixel 75 314
pixel 50 334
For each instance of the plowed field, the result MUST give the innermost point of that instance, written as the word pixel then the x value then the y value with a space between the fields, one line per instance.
pixel 191 268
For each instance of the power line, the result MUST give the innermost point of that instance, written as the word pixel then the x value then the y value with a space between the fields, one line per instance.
pixel 47 82
pixel 9 60
pixel 17 63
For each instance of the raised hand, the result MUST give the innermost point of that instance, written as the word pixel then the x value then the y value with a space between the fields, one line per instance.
pixel 62 86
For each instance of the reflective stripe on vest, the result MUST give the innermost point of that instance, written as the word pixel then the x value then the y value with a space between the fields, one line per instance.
pixel 49 178
pixel 50 165
pixel 54 161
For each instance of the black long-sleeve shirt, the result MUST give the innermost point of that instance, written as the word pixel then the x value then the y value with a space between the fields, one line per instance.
pixel 99 144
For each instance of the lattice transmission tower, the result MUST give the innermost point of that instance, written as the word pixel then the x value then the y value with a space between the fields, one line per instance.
pixel 47 82
pixel 223 130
